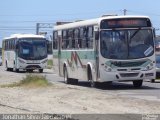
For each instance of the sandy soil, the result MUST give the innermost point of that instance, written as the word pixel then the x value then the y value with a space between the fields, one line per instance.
pixel 71 99
pixel 61 98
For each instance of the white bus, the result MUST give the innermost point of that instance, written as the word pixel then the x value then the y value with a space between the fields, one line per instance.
pixel 106 49
pixel 25 52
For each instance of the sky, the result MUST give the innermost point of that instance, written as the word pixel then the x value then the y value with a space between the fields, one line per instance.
pixel 21 16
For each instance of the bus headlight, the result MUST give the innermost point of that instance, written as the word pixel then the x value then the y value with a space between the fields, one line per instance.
pixel 107 69
pixel 148 67
pixel 21 61
pixel 43 62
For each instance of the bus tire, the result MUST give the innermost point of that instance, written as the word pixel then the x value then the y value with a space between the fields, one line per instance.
pixel 137 83
pixel 65 74
pixel 153 81
pixel 30 70
pixel 7 69
pixel 40 71
pixel 17 70
pixel 74 81
pixel 93 84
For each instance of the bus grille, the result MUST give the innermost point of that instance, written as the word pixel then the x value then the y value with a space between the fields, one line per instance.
pixel 129 74
pixel 32 66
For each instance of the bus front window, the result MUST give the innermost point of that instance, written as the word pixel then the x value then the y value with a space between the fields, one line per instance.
pixel 127 44
pixel 30 49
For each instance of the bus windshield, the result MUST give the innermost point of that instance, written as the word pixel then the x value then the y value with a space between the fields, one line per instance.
pixel 32 49
pixel 126 44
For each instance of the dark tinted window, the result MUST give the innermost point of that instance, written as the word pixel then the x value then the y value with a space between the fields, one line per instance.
pixel 55 40
pixel 77 38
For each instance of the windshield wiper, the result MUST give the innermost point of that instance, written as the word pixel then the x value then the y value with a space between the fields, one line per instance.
pixel 135 33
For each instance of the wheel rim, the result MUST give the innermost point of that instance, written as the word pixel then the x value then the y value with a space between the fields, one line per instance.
pixel 92 83
pixel 65 75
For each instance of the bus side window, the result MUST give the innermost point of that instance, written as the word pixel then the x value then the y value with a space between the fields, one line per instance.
pixel 14 44
pixel 55 40
pixel 90 37
pixel 83 37
pixel 71 39
pixel 64 39
pixel 7 44
pixel 76 37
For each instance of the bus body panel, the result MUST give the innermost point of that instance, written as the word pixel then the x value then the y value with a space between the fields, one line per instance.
pixel 55 62
pixel 11 51
pixel 77 61
pixel 100 71
pixel 127 73
pixel 31 64
pixel 10 57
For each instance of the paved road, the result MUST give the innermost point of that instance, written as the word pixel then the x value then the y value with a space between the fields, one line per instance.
pixel 149 91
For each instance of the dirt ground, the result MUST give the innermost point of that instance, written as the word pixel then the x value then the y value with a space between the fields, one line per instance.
pixel 61 98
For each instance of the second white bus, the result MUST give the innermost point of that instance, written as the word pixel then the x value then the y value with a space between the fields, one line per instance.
pixel 25 52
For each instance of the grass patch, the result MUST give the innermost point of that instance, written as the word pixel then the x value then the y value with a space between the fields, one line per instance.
pixel 49 64
pixel 32 81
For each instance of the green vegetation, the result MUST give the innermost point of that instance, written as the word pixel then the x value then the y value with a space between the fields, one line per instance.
pixel 31 81
pixel 50 64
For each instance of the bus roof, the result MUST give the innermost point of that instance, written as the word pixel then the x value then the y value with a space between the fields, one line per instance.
pixel 24 36
pixel 95 21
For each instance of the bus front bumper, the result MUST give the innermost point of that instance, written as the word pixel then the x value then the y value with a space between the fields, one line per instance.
pixel 127 76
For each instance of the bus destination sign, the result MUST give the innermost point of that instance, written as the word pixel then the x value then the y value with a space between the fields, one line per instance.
pixel 125 23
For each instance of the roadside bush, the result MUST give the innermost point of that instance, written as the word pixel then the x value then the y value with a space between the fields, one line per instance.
pixel 50 64
pixel 30 80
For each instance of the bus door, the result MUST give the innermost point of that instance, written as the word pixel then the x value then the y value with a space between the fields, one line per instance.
pixel 60 64
pixel 55 52
pixel 96 36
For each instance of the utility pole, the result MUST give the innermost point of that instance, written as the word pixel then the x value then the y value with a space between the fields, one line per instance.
pixel 37 28
pixel 125 11
pixel 41 29
pixel 43 25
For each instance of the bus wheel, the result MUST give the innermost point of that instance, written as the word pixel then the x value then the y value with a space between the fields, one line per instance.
pixel 30 70
pixel 66 79
pixel 40 70
pixel 17 70
pixel 93 84
pixel 7 67
pixel 153 81
pixel 137 83
pixel 74 81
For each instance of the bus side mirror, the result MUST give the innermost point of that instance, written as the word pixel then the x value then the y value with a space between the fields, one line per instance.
pixel 96 35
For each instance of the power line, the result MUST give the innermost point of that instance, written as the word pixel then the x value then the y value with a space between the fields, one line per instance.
pixel 141 12
pixel 61 14
pixel 16 29
pixel 20 27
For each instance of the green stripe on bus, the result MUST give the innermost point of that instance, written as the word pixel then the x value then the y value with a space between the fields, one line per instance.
pixel 82 54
